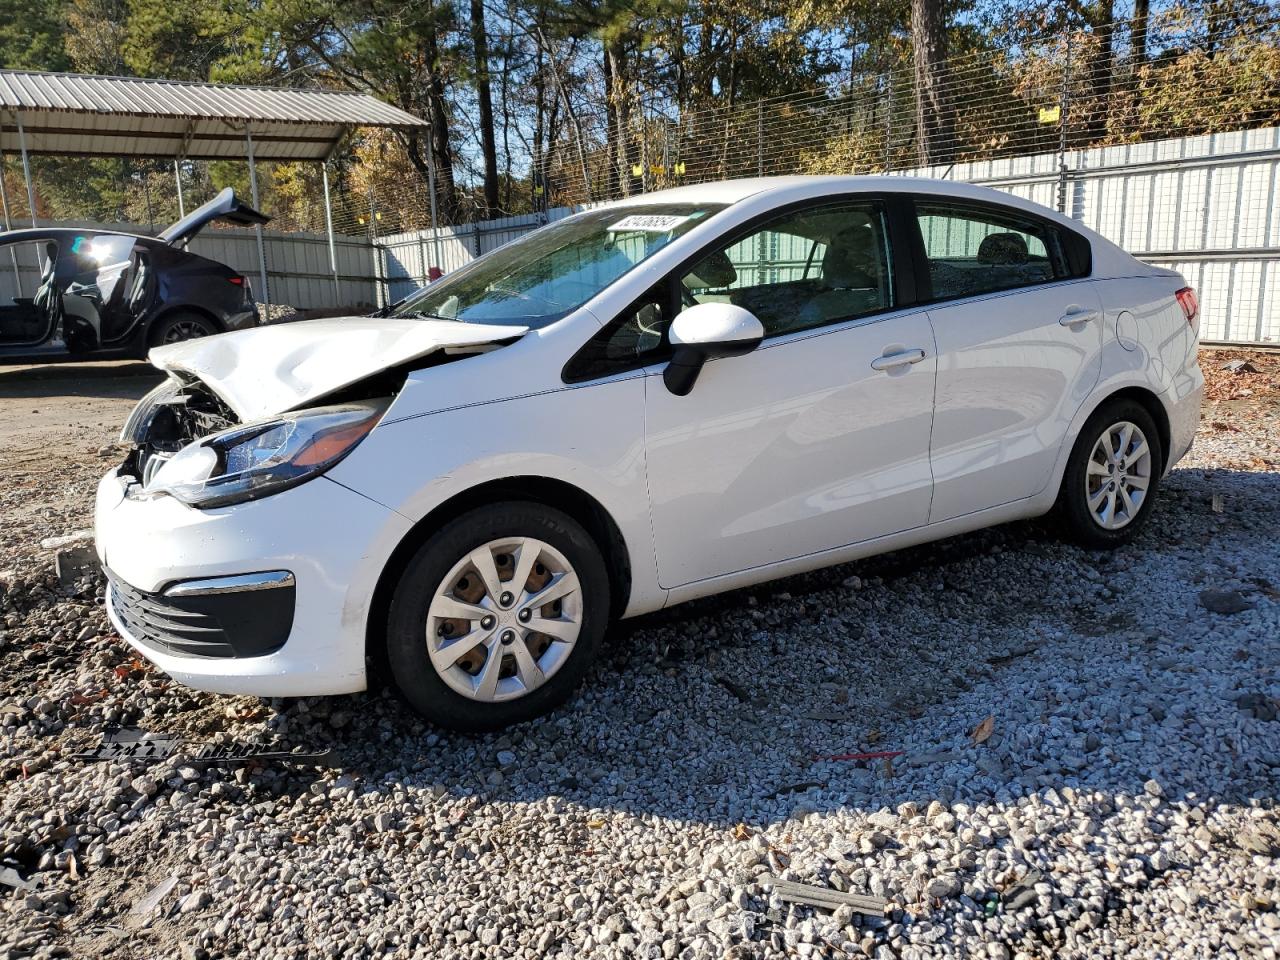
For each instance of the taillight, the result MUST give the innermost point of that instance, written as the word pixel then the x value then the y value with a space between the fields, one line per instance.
pixel 239 281
pixel 1190 305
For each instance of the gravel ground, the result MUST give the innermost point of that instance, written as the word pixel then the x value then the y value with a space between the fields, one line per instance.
pixel 1089 756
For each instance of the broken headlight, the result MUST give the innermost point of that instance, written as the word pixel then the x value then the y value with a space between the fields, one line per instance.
pixel 258 459
pixel 140 418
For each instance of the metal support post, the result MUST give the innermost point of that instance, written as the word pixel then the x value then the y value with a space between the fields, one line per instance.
pixel 257 227
pixel 328 227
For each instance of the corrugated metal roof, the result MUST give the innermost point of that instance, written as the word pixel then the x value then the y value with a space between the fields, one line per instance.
pixel 126 116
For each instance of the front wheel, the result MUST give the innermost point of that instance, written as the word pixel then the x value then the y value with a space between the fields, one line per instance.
pixel 1110 483
pixel 497 617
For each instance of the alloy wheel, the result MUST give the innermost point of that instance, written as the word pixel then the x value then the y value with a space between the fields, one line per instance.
pixel 184 330
pixel 1118 475
pixel 504 619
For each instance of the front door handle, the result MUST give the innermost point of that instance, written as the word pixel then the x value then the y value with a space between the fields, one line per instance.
pixel 892 361
pixel 1076 315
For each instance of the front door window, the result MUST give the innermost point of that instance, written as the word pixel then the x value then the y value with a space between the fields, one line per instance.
pixel 806 269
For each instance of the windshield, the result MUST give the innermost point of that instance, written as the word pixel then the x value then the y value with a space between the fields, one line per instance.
pixel 539 278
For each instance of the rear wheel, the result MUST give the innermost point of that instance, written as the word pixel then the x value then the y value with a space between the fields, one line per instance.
pixel 497 617
pixel 1110 483
pixel 178 327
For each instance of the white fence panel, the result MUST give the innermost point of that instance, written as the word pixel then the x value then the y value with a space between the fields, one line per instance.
pixel 1205 206
pixel 298 269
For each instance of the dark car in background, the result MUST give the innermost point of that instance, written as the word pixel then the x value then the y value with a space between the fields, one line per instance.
pixel 69 293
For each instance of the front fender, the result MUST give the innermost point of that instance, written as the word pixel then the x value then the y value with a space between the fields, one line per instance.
pixel 590 437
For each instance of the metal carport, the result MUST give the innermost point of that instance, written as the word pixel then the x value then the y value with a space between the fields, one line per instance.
pixel 93 116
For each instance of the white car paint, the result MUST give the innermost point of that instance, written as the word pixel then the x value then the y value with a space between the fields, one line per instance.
pixel 794 456
pixel 1007 390
pixel 758 457
pixel 264 371
pixel 706 324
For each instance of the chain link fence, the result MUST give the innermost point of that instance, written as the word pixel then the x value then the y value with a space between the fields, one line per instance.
pixel 1068 91
pixel 1161 134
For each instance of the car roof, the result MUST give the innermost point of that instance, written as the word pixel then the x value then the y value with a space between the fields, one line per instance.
pixel 764 192
pixel 734 191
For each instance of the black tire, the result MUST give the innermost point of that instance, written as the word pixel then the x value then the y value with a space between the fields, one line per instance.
pixel 1078 522
pixel 181 326
pixel 407 655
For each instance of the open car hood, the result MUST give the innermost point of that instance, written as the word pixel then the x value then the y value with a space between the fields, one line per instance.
pixel 265 371
pixel 225 206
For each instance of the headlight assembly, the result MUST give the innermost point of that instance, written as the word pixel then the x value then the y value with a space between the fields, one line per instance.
pixel 139 422
pixel 257 459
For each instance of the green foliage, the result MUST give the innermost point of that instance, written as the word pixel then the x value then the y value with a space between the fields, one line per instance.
pixel 177 41
pixel 613 95
pixel 32 36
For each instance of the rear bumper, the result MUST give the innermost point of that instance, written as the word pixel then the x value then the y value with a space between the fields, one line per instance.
pixel 1182 403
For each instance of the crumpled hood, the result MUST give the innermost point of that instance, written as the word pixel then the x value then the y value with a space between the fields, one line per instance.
pixel 265 371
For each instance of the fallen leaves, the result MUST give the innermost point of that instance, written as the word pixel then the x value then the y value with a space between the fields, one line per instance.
pixel 84 699
pixel 1239 375
pixel 982 732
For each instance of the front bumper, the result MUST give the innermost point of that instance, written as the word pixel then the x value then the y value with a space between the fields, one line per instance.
pixel 332 540
pixel 249 615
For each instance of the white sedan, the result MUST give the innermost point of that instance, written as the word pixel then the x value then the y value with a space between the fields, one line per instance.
pixel 671 396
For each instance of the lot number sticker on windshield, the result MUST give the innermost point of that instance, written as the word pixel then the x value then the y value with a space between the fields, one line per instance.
pixel 649 223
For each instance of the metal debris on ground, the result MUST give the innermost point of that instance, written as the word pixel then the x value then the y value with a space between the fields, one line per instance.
pixel 11 878
pixel 221 754
pixel 1216 503
pixel 793 788
pixel 1225 601
pixel 734 689
pixel 75 563
pixel 1239 366
pixel 53 543
pixel 982 732
pixel 1001 659
pixel 152 898
pixel 127 745
pixel 1023 893
pixel 1258 705
pixel 830 716
pixel 826 898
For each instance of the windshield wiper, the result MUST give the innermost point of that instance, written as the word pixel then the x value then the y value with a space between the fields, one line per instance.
pixel 423 315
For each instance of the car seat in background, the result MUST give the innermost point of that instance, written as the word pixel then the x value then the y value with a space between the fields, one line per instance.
pixel 713 272
pixel 48 299
pixel 1002 248
pixel 852 277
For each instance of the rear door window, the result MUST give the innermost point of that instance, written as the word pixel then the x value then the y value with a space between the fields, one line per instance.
pixel 973 250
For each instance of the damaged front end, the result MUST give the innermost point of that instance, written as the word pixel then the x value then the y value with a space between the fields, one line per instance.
pixel 168 418
pixel 250 413
pixel 188 444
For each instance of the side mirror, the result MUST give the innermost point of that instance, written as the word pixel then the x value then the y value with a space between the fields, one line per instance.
pixel 705 331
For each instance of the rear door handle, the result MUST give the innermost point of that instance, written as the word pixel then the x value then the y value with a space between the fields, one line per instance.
pixel 1076 315
pixel 891 361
